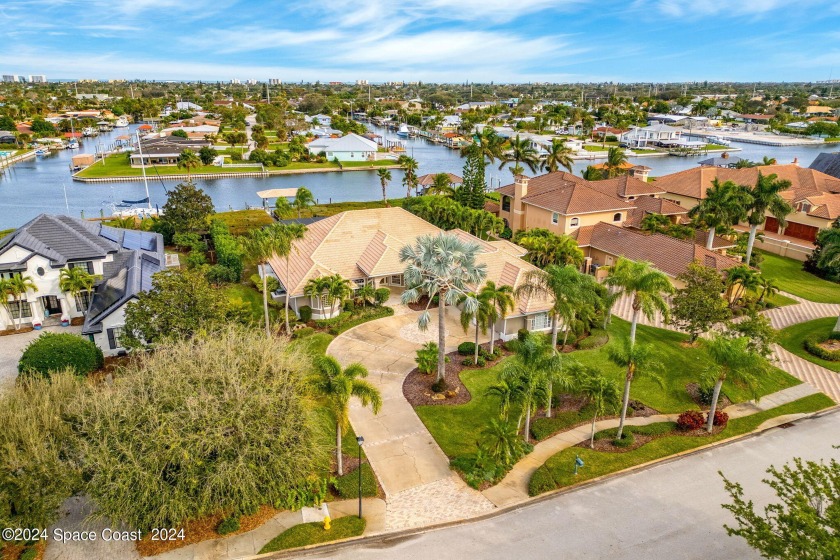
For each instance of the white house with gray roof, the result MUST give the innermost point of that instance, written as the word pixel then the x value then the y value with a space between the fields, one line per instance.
pixel 123 260
pixel 351 147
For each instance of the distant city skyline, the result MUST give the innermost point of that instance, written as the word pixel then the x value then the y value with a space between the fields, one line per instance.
pixel 429 40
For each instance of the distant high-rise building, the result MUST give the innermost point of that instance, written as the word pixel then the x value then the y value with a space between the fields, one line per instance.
pixel 234 81
pixel 252 82
pixel 275 82
pixel 361 82
pixel 10 78
pixel 37 79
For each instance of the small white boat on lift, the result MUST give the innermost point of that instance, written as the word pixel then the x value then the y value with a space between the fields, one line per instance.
pixel 403 131
pixel 73 144
pixel 88 131
pixel 122 122
pixel 718 140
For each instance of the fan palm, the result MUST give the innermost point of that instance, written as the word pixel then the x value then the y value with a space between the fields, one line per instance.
pixel 765 197
pixel 520 151
pixel 303 199
pixel 188 160
pixel 500 298
pixel 76 281
pixel 445 266
pixel 646 285
pixel 639 360
pixel 723 207
pixel 558 156
pixel 602 393
pixel 733 360
pixel 384 178
pixel 337 386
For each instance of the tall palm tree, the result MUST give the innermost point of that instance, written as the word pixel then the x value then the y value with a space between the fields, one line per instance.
pixel 488 143
pixel 337 386
pixel 17 287
pixel 646 285
pixel 765 197
pixel 288 234
pixel 601 392
pixel 723 207
pixel 501 300
pixel 639 360
pixel 188 160
pixel 384 178
pixel 443 266
pixel 258 247
pixel 567 289
pixel 558 156
pixel 520 151
pixel 732 360
pixel 303 199
pixel 481 316
pixel 409 166
pixel 509 393
pixel 616 158
pixel 441 185
pixel 76 281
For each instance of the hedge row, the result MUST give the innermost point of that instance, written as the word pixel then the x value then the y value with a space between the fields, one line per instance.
pixel 812 345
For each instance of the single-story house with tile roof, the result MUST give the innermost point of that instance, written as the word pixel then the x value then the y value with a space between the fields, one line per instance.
pixel 827 163
pixel 602 245
pixel 363 247
pixel 164 150
pixel 351 147
pixel 124 261
pixel 814 195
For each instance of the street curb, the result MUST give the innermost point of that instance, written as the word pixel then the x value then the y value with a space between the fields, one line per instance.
pixel 406 533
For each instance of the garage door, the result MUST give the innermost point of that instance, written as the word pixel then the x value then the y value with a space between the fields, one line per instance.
pixel 801 231
pixel 771 225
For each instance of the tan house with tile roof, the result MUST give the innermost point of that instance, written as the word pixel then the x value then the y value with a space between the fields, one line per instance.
pixel 363 247
pixel 602 244
pixel 815 196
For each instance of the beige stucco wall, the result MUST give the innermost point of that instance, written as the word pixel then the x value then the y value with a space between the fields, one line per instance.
pixel 536 217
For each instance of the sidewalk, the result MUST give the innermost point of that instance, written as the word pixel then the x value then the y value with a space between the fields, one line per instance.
pixel 513 489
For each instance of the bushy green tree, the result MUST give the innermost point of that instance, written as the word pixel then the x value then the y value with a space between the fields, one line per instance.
pixel 698 306
pixel 187 208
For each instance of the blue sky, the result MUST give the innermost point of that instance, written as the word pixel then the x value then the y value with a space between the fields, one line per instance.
pixel 429 40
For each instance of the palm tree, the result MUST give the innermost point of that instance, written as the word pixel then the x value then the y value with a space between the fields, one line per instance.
pixel 337 385
pixel 76 281
pixel 616 158
pixel 317 288
pixel 768 160
pixel 592 173
pixel 5 294
pixel 501 442
pixel 488 143
pixel 188 160
pixel 520 151
pixel 739 280
pixel 732 360
pixel 384 178
pixel 441 185
pixel 443 266
pixel 338 290
pixel 409 165
pixel 303 199
pixel 17 286
pixel 558 156
pixel 723 206
pixel 765 197
pixel 601 392
pixel 283 208
pixel 501 300
pixel 259 246
pixel 509 393
pixel 530 369
pixel 288 234
pixel 481 315
pixel 366 293
pixel 639 360
pixel 646 285
pixel 768 286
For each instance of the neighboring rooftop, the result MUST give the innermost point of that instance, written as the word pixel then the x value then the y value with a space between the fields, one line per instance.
pixel 827 163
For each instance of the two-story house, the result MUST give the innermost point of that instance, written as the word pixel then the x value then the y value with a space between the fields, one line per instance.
pixel 122 260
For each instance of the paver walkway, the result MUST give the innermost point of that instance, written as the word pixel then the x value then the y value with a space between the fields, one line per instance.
pixel 823 379
pixel 805 310
pixel 513 489
pixel 414 472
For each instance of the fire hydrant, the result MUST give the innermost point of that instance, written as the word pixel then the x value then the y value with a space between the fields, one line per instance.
pixel 327 523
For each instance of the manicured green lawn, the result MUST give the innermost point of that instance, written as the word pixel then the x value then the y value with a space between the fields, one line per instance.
pixel 780 300
pixel 790 277
pixel 593 148
pixel 117 166
pixel 315 344
pixel 338 207
pixel 558 471
pixel 456 427
pixel 793 337
pixel 241 222
pixel 714 147
pixel 313 533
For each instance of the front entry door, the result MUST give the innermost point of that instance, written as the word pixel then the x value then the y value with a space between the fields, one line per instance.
pixel 51 305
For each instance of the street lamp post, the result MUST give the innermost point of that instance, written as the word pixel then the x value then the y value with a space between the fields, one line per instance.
pixel 360 440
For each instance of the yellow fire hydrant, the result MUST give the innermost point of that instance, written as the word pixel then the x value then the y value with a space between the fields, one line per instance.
pixel 327 523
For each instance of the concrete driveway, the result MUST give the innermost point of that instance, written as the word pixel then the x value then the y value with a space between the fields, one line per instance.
pixel 12 347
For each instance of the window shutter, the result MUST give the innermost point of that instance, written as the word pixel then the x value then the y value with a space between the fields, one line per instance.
pixel 112 342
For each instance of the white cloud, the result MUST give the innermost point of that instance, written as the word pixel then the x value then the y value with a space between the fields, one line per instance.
pixel 700 8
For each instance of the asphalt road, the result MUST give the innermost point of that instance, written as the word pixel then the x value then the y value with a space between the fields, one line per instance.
pixel 671 511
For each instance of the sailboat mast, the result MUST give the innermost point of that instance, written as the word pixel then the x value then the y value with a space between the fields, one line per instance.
pixel 143 167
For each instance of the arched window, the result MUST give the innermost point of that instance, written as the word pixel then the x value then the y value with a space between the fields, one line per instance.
pixel 617 217
pixel 574 222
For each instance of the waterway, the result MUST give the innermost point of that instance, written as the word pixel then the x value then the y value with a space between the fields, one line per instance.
pixel 38 185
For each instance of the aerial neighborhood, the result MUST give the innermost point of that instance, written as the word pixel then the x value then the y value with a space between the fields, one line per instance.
pixel 244 318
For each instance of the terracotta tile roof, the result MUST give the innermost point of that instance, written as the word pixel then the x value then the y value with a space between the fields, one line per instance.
pixel 566 194
pixel 825 206
pixel 804 182
pixel 668 254
pixel 492 207
pixel 363 243
pixel 701 236
pixel 645 205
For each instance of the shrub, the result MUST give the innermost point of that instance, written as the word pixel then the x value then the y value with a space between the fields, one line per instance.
pixel 596 339
pixel 721 418
pixel 228 525
pixel 541 482
pixel 467 362
pixel 303 333
pixel 347 486
pixel 30 553
pixel 481 361
pixel 466 348
pixel 196 259
pixel 349 305
pixel 812 345
pixel 706 394
pixel 381 295
pixel 52 352
pixel 690 420
pixel 427 358
pixel 626 440
pixel 218 274
pixel 522 335
pixel 305 313
pixel 228 250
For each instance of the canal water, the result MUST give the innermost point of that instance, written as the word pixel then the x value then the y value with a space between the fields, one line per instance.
pixel 38 185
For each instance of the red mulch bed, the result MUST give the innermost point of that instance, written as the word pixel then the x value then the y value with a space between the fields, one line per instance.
pixel 417 387
pixel 420 304
pixel 693 390
pixel 606 445
pixel 12 330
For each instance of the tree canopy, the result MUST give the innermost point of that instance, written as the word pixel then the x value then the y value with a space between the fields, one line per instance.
pixel 187 208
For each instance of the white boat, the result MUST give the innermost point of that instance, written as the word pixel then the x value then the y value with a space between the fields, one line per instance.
pixel 73 144
pixel 718 140
pixel 403 131
pixel 122 122
pixel 88 131
pixel 42 152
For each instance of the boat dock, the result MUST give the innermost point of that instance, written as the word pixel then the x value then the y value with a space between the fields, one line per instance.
pixel 8 161
pixel 764 139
